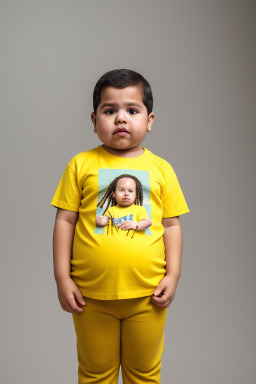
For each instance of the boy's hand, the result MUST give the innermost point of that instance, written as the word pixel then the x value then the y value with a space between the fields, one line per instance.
pixel 165 291
pixel 127 225
pixel 70 297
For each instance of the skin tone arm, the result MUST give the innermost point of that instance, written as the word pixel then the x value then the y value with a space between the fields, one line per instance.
pixel 69 295
pixel 101 221
pixel 142 224
pixel 173 241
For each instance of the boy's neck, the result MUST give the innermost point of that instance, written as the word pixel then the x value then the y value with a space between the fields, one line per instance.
pixel 128 153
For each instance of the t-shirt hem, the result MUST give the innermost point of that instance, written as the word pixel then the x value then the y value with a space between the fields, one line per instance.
pixel 61 204
pixel 177 212
pixel 117 296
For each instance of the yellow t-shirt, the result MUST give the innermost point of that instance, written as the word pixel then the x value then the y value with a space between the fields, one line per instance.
pixel 118 214
pixel 118 267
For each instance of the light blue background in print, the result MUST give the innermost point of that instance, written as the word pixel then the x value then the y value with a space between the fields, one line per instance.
pixel 106 176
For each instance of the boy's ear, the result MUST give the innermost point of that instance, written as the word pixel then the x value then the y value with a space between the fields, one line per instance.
pixel 151 117
pixel 93 117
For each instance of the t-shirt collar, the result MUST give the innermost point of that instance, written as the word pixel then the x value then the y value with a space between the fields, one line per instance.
pixel 119 159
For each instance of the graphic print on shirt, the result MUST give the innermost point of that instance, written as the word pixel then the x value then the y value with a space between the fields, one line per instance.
pixel 119 220
pixel 123 196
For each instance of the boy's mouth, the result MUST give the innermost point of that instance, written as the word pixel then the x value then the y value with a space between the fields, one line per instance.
pixel 121 131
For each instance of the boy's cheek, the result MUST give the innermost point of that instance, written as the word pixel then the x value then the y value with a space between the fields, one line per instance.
pixel 102 130
pixel 104 126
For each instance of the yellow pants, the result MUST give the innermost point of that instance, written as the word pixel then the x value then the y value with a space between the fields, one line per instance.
pixel 127 332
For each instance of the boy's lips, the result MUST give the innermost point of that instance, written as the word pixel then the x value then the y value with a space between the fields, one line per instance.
pixel 121 133
pixel 121 130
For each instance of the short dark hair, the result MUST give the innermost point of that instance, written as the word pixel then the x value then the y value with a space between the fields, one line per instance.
pixel 122 78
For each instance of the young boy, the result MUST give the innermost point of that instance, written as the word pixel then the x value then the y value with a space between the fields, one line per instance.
pixel 127 282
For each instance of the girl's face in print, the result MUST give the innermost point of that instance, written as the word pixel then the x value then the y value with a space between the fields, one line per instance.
pixel 125 193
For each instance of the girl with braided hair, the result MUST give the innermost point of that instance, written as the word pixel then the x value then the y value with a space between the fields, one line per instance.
pixel 125 198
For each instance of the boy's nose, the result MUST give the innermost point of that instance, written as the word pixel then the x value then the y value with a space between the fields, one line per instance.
pixel 120 118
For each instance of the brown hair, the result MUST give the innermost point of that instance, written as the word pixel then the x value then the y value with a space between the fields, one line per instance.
pixel 111 201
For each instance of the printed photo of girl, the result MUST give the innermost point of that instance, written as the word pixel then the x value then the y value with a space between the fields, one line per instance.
pixel 125 210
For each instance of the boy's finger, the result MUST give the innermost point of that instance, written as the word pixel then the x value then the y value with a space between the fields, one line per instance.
pixel 159 303
pixel 79 297
pixel 75 307
pixel 157 298
pixel 160 300
pixel 66 307
pixel 78 305
pixel 81 300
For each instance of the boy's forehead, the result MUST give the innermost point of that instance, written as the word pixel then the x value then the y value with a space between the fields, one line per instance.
pixel 121 95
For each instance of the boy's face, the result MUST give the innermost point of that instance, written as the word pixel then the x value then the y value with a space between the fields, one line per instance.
pixel 122 109
pixel 125 193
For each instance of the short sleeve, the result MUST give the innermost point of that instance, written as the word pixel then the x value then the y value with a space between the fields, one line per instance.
pixel 173 200
pixel 68 194
pixel 142 213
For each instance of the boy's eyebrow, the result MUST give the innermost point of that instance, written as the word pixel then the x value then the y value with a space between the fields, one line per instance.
pixel 114 105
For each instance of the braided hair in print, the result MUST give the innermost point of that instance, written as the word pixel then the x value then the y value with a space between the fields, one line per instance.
pixel 110 199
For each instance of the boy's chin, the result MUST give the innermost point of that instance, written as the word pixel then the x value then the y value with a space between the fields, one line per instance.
pixel 120 146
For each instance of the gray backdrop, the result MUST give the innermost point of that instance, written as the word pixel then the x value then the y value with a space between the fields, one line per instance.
pixel 199 57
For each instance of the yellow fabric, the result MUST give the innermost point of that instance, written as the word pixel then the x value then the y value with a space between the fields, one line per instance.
pixel 105 266
pixel 120 214
pixel 127 332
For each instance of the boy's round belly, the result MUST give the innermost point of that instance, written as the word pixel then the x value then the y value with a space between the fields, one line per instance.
pixel 118 266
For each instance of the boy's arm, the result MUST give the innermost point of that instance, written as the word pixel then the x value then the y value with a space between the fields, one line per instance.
pixel 165 291
pixel 173 245
pixel 69 294
pixel 62 242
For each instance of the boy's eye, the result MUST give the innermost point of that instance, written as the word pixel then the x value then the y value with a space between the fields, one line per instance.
pixel 134 110
pixel 108 110
pixel 112 111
